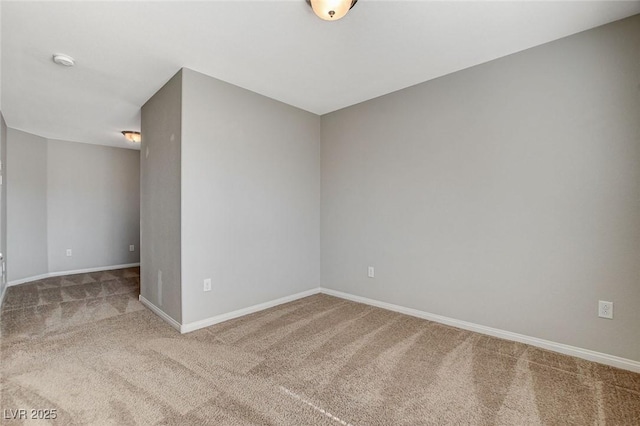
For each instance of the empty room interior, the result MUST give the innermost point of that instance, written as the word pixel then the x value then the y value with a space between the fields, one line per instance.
pixel 320 212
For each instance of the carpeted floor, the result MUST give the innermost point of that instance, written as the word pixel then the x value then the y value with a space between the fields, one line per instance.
pixel 84 346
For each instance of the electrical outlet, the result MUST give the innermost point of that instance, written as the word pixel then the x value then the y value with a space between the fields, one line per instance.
pixel 159 287
pixel 605 309
pixel 371 273
pixel 207 284
pixel 69 253
pixel 132 248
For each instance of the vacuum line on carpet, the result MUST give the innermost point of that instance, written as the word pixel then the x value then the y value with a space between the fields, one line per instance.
pixel 315 407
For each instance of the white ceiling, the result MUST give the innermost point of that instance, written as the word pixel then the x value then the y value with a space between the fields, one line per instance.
pixel 125 51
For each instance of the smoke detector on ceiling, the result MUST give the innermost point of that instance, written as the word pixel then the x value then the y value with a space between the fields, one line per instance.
pixel 64 60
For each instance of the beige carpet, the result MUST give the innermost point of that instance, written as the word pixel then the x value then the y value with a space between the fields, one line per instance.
pixel 97 356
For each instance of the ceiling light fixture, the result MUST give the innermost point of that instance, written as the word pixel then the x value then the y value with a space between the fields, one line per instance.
pixel 64 60
pixel 331 10
pixel 132 136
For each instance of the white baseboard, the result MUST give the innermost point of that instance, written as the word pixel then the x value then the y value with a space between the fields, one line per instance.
pixel 159 312
pixel 192 326
pixel 76 271
pixel 4 291
pixel 28 279
pixel 612 360
pixel 587 354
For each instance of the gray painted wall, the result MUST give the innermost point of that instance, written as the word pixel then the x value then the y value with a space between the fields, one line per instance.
pixel 250 198
pixel 26 205
pixel 507 194
pixel 64 195
pixel 93 205
pixel 160 199
pixel 3 201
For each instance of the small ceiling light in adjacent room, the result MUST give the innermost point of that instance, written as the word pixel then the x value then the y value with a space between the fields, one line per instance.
pixel 131 136
pixel 331 10
pixel 64 60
